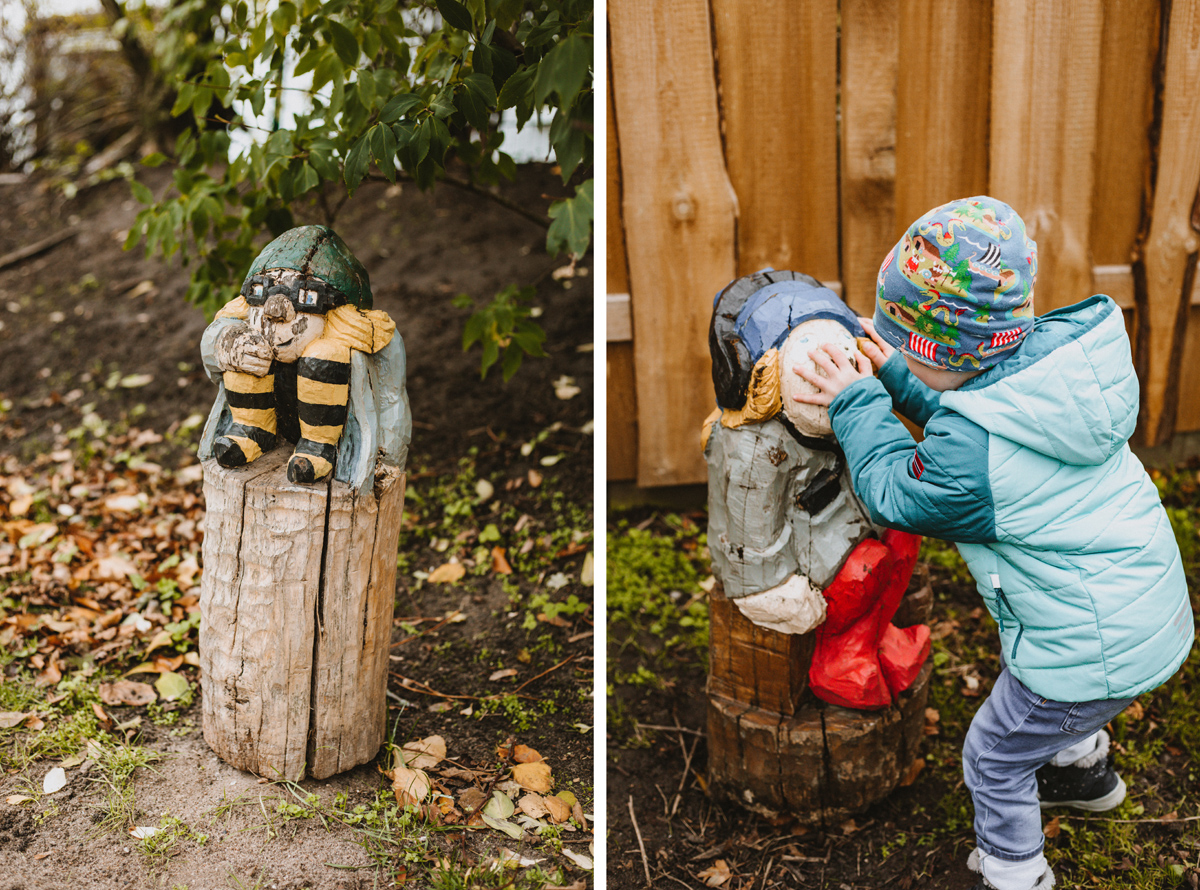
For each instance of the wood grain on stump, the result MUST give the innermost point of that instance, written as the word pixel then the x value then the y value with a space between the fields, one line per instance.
pixel 296 605
pixel 776 751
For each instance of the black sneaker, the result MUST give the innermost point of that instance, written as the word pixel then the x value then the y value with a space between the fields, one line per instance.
pixel 1088 784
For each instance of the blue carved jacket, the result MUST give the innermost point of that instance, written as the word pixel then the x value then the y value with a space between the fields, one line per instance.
pixel 1027 468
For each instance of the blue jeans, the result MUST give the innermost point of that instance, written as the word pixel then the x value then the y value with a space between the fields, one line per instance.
pixel 1014 733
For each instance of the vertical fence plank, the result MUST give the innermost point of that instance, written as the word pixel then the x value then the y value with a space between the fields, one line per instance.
pixel 1128 49
pixel 943 92
pixel 777 72
pixel 1045 84
pixel 1189 384
pixel 621 403
pixel 870 52
pixel 1163 283
pixel 680 215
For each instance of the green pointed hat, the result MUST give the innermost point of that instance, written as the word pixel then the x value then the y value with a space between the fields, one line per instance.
pixel 317 251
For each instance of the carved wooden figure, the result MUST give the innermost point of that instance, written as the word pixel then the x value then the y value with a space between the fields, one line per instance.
pixel 816 685
pixel 303 456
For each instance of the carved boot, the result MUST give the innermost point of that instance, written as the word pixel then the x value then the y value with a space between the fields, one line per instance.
pixel 252 404
pixel 322 391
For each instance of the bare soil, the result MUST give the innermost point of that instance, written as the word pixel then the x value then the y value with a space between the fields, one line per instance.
pixel 79 318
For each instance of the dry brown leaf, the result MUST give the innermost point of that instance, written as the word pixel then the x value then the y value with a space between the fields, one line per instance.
pixel 931 721
pixel 9 719
pixel 533 776
pixel 559 811
pixel 447 573
pixel 106 722
pixel 1052 829
pixel 914 770
pixel 533 805
pixel 577 812
pixel 716 875
pixel 535 478
pixel 112 568
pixel 471 799
pixel 127 692
pixel 849 827
pixel 41 855
pixel 1135 711
pixel 500 565
pixel 525 754
pixel 34 722
pixel 502 674
pixel 425 753
pixel 411 786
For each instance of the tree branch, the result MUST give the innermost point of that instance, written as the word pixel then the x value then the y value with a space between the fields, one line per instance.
pixel 467 186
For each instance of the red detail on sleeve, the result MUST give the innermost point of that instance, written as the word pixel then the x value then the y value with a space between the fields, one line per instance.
pixel 918 467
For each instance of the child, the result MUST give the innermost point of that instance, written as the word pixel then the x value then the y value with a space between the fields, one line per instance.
pixel 1025 465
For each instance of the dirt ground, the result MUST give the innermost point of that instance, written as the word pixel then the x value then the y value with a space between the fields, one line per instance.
pixel 918 836
pixel 84 324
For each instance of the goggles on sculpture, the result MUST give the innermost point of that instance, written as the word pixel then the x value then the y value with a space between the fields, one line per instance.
pixel 306 294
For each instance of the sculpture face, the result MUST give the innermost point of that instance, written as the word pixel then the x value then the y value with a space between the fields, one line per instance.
pixel 289 332
pixel 810 420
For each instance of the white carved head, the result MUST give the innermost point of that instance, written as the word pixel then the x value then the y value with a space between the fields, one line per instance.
pixel 810 420
pixel 289 332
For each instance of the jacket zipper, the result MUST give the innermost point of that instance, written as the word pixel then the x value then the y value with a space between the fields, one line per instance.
pixel 1001 598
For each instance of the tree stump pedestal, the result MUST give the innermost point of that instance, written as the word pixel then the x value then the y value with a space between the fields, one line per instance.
pixel 296 605
pixel 776 750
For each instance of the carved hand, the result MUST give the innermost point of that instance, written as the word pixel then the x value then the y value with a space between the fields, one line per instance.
pixel 239 348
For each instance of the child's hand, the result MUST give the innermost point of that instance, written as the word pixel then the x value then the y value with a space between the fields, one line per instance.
pixel 878 350
pixel 840 371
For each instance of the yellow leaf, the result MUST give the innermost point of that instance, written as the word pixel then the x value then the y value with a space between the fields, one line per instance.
pixel 447 573
pixel 559 810
pixel 411 786
pixel 533 776
pixel 525 754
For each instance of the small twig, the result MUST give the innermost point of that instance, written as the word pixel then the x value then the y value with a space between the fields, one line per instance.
pixel 641 843
pixel 468 186
pixel 670 728
pixel 1160 821
pixel 543 673
pixel 687 766
pixel 418 686
pixel 421 634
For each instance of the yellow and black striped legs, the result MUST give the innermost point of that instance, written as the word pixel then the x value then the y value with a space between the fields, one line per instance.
pixel 322 391
pixel 252 404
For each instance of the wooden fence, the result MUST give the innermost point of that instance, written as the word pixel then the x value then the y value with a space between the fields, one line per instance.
pixel 806 134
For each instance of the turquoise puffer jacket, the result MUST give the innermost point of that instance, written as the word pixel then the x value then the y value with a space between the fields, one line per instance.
pixel 1027 468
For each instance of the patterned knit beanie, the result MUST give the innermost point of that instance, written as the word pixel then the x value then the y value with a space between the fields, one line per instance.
pixel 957 291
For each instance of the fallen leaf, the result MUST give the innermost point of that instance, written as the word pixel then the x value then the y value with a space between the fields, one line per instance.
pixel 34 722
pixel 567 797
pixel 135 381
pixel 577 812
pixel 560 811
pixel 142 832
pixel 55 780
pixel 1052 829
pixel 425 753
pixel 162 638
pixel 106 722
pixel 447 573
pixel 1135 711
pixel 587 573
pixel 500 564
pixel 123 503
pixel 471 799
pixel 525 754
pixel 501 674
pixel 586 861
pixel 113 568
pixel 1169 817
pixel 716 875
pixel 557 580
pixel 171 686
pixel 533 805
pixel 849 827
pixel 484 491
pixel 14 799
pixel 914 770
pixel 513 831
pixel 499 807
pixel 411 786
pixel 565 388
pixel 533 776
pixel 508 859
pixel 9 719
pixel 42 855
pixel 535 478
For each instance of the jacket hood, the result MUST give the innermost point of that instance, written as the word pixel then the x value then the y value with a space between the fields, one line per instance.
pixel 1069 392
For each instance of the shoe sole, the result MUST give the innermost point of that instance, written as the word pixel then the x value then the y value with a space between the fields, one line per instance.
pixel 1097 805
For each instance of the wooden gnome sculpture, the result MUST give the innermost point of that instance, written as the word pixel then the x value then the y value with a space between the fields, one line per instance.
pixel 808 586
pixel 303 456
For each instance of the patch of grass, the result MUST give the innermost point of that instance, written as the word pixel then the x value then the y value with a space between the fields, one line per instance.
pixel 116 766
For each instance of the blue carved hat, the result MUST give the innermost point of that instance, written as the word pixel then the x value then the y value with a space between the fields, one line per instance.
pixel 957 291
pixel 756 313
